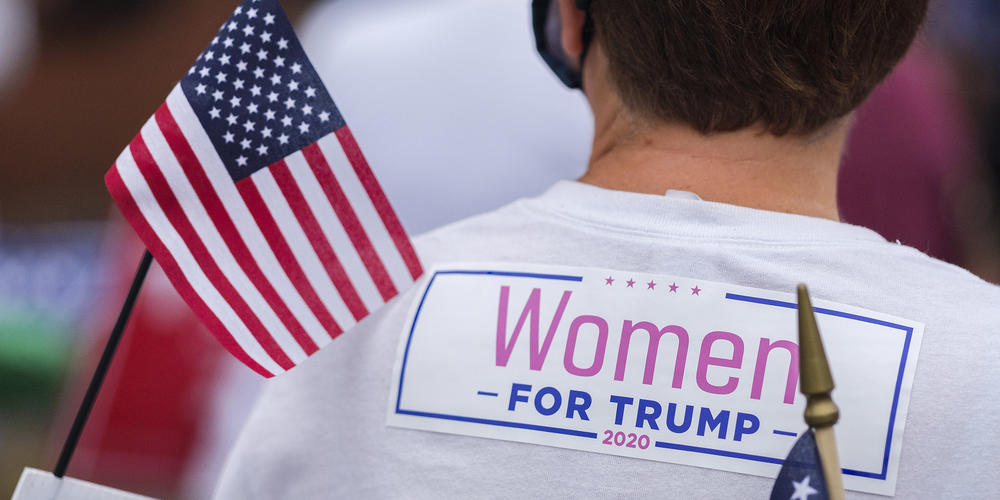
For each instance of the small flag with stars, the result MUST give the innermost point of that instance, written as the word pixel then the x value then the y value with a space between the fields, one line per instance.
pixel 801 476
pixel 250 191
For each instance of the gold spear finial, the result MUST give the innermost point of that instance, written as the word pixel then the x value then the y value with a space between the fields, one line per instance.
pixel 815 382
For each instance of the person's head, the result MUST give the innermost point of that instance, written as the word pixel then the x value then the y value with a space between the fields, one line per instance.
pixel 787 67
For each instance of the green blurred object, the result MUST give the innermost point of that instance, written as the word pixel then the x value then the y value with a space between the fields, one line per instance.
pixel 34 355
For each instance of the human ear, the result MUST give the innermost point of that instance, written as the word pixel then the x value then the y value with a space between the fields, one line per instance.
pixel 573 20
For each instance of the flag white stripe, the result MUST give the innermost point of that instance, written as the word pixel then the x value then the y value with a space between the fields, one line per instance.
pixel 245 224
pixel 302 248
pixel 217 248
pixel 334 231
pixel 153 214
pixel 365 209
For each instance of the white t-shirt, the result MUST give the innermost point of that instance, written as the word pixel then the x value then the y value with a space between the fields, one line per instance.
pixel 320 430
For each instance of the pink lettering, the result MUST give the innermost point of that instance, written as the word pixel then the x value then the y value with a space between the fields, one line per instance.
pixel 706 359
pixel 602 344
pixel 766 346
pixel 531 310
pixel 654 344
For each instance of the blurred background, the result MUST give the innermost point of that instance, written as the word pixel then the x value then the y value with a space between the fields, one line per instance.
pixel 457 116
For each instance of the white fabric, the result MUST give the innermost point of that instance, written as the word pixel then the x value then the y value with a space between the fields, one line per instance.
pixel 319 431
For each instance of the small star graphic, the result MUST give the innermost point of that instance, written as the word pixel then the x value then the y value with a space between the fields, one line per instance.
pixel 245 144
pixel 262 150
pixel 310 92
pixel 265 36
pixel 696 291
pixel 229 137
pixel 249 125
pixel 293 85
pixel 307 109
pixel 221 77
pixel 241 66
pixel 228 42
pixel 290 103
pixel 201 88
pixel 275 79
pixel 258 73
pixel 224 59
pixel 803 490
pixel 282 44
pixel 269 19
pixel 304 127
pixel 255 91
pixel 217 95
pixel 252 108
pixel 269 114
pixel 245 48
pixel 324 117
pixel 296 68
pixel 239 83
pixel 241 161
pixel 272 97
pixel 279 61
pixel 673 288
pixel 209 55
pixel 204 72
pixel 261 54
pixel 283 139
pixel 232 26
pixel 235 101
pixel 231 119
pixel 609 280
pixel 215 113
pixel 630 283
pixel 252 13
pixel 248 30
pixel 266 132
pixel 286 121
pixel 651 285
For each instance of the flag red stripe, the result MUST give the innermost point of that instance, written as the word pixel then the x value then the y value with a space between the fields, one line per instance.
pixel 379 200
pixel 262 215
pixel 178 219
pixel 304 214
pixel 165 259
pixel 349 219
pixel 227 229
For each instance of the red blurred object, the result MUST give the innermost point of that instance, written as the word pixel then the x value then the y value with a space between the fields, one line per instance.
pixel 156 403
pixel 908 152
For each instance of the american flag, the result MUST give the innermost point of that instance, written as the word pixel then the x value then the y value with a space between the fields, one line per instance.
pixel 250 191
pixel 801 475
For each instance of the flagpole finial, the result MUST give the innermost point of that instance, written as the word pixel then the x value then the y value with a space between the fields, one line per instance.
pixel 816 382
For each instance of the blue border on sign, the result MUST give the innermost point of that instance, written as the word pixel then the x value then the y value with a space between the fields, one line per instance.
pixel 661 444
pixel 899 377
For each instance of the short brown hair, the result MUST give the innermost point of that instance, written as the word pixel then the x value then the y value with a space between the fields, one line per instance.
pixel 722 65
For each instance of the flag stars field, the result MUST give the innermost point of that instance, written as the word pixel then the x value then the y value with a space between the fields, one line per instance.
pixel 272 83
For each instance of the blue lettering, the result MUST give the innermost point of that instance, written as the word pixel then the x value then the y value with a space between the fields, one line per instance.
pixel 579 402
pixel 671 412
pixel 620 401
pixel 648 411
pixel 745 424
pixel 515 395
pixel 720 421
pixel 556 401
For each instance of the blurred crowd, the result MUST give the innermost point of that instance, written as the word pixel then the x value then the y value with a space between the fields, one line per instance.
pixel 457 116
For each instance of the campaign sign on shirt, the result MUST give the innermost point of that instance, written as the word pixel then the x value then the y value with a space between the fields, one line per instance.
pixel 663 368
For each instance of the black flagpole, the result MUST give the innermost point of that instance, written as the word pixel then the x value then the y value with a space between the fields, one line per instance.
pixel 102 368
